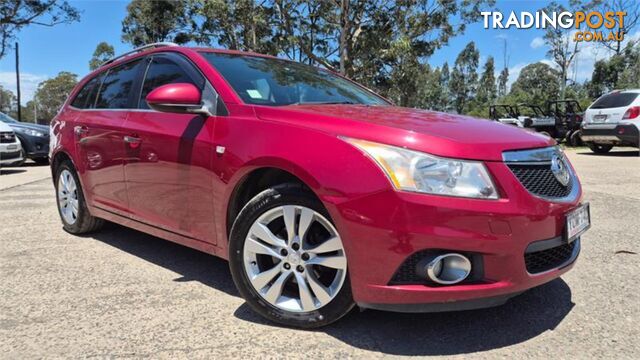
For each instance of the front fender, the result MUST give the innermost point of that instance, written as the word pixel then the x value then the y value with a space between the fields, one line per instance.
pixel 333 169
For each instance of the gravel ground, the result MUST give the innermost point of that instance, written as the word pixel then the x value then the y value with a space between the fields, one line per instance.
pixel 121 293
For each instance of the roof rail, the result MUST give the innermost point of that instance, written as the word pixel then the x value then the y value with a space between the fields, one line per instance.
pixel 139 49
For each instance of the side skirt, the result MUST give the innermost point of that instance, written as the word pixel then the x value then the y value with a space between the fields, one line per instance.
pixel 157 232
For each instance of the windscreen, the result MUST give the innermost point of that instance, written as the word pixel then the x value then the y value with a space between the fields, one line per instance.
pixel 273 82
pixel 614 100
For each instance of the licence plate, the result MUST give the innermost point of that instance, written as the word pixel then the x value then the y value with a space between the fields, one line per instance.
pixel 12 147
pixel 599 118
pixel 577 222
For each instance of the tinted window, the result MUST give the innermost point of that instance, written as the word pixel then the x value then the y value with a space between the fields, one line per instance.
pixel 614 100
pixel 87 95
pixel 268 81
pixel 116 87
pixel 164 71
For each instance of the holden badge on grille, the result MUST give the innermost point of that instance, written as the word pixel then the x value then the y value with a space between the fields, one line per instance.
pixel 560 170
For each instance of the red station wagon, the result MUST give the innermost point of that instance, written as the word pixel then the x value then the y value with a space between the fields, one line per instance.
pixel 321 194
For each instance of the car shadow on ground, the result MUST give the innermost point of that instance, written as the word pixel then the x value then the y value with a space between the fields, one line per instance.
pixel 630 153
pixel 5 171
pixel 192 265
pixel 524 317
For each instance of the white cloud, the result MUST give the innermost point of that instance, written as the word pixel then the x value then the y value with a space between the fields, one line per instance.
pixel 537 43
pixel 28 83
pixel 514 72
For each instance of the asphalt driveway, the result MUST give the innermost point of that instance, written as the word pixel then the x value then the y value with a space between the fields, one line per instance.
pixel 121 293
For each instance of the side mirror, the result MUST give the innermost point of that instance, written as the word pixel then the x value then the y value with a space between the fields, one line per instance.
pixel 181 98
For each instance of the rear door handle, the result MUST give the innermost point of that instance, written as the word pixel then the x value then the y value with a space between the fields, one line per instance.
pixel 131 139
pixel 81 130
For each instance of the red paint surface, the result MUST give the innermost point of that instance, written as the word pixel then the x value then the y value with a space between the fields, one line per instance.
pixel 175 186
pixel 175 94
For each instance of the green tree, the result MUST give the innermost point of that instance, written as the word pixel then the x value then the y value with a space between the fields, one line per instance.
pixel 17 14
pixel 536 84
pixel 618 72
pixel 631 20
pixel 103 52
pixel 487 91
pixel 464 78
pixel 503 79
pixel 52 93
pixel 562 48
pixel 445 96
pixel 155 21
pixel 7 100
pixel 236 25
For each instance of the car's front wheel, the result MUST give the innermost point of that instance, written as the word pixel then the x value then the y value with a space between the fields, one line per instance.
pixel 72 207
pixel 288 260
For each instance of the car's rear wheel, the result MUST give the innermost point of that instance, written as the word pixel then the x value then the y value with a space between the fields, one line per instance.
pixel 72 207
pixel 288 260
pixel 600 148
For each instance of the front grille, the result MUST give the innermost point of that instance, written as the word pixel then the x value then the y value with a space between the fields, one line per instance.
pixel 540 180
pixel 540 261
pixel 10 155
pixel 7 137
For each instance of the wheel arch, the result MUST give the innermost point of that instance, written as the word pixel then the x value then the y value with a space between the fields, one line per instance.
pixel 258 179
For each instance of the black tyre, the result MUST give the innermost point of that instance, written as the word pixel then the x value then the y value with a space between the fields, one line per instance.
pixel 287 259
pixel 72 207
pixel 574 139
pixel 600 148
pixel 42 161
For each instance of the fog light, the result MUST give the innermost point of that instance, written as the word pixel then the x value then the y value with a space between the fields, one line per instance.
pixel 449 269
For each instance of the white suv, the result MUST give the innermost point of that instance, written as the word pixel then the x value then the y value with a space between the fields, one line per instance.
pixel 612 120
pixel 10 149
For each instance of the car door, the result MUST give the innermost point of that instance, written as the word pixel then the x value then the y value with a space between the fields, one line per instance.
pixel 168 176
pixel 100 137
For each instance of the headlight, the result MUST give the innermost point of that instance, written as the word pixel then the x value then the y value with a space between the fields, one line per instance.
pixel 32 132
pixel 415 171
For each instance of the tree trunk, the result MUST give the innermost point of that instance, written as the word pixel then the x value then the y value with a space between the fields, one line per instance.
pixel 344 28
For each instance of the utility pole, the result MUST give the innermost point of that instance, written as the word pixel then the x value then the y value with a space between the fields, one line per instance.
pixel 18 81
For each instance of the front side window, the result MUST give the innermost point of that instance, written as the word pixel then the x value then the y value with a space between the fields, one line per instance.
pixel 116 87
pixel 163 71
pixel 267 81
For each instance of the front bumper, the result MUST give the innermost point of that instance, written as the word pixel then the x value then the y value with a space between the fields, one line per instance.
pixel 34 147
pixel 390 226
pixel 10 153
pixel 621 135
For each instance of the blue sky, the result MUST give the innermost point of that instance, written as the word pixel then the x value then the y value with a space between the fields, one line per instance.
pixel 46 51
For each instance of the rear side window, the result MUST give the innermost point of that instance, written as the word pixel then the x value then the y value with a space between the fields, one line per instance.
pixel 117 86
pixel 614 100
pixel 87 95
pixel 163 71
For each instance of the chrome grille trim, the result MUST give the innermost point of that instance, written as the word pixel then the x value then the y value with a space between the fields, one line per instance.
pixel 542 157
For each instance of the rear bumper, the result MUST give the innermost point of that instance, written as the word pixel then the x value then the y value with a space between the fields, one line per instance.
pixel 622 135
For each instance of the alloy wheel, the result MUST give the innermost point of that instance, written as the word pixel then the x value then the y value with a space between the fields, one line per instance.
pixel 68 197
pixel 294 258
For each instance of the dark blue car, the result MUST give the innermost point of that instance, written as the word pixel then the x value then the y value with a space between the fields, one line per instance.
pixel 33 137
